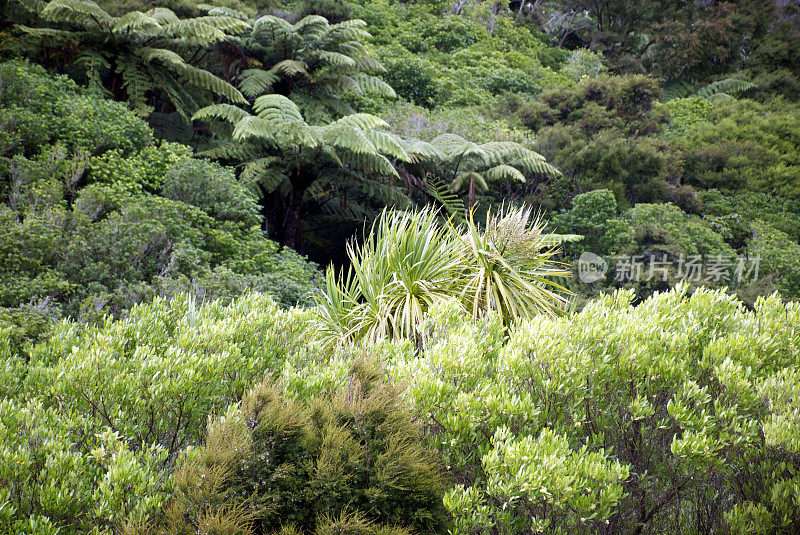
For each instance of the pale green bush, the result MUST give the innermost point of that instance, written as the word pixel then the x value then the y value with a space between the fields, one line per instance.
pixel 680 411
pixel 155 377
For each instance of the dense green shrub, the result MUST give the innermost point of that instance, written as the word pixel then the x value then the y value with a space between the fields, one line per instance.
pixel 456 60
pixel 57 478
pixel 636 169
pixel 105 218
pixel 779 256
pixel 669 400
pixel 413 78
pixel 624 102
pixel 93 418
pixel 39 109
pixel 212 188
pixel 594 216
pixel 745 145
pixel 685 113
pixel 156 376
pixel 347 461
pixel 144 170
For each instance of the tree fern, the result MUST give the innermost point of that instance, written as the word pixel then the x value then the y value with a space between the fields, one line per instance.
pixel 254 82
pixel 727 87
pixel 311 57
pixel 464 164
pixel 440 191
pixel 348 147
pixel 721 89
pixel 144 53
pixel 373 85
pixel 80 12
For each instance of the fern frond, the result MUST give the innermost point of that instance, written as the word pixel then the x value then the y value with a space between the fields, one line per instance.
pixel 504 172
pixel 135 20
pixel 387 194
pixel 81 12
pixel 349 30
pixel 353 49
pixel 218 11
pixel 184 102
pixel 387 143
pixel 503 151
pixel 203 79
pixel 351 23
pixel 265 174
pixel 364 121
pixel 419 151
pixel 271 30
pixel 340 81
pixel 369 163
pixel 719 97
pixel 452 144
pixel 440 191
pixel 163 15
pixel 374 85
pixel 312 25
pixel 728 86
pixel 50 35
pixel 194 31
pixel 290 67
pixel 334 59
pixel 241 151
pixel 231 25
pixel 162 55
pixel 540 167
pixel 369 64
pixel 277 109
pixel 136 84
pixel 254 82
pixel 225 112
pixel 343 136
pixel 95 64
pixel 463 180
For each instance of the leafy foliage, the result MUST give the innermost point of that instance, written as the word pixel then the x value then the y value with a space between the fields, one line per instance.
pixel 640 396
pixel 352 144
pixel 410 263
pixel 347 461
pixel 313 62
pixel 106 218
pixel 745 145
pixel 139 52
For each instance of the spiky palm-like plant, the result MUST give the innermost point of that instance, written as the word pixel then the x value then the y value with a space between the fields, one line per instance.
pixel 408 263
pixel 138 53
pixel 282 153
pixel 312 62
pixel 509 266
pixel 462 163
pixel 412 261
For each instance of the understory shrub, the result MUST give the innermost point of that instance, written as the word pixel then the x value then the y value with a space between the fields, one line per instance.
pixel 346 461
pixel 93 418
pixel 97 217
pixel 671 416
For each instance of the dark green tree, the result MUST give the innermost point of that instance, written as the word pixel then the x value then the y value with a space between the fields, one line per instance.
pixel 139 54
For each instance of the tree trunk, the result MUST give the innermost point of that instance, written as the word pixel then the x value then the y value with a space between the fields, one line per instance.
pixel 471 200
pixel 293 222
pixel 293 226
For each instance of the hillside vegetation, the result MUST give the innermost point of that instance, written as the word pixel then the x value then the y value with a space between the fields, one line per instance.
pixel 392 268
